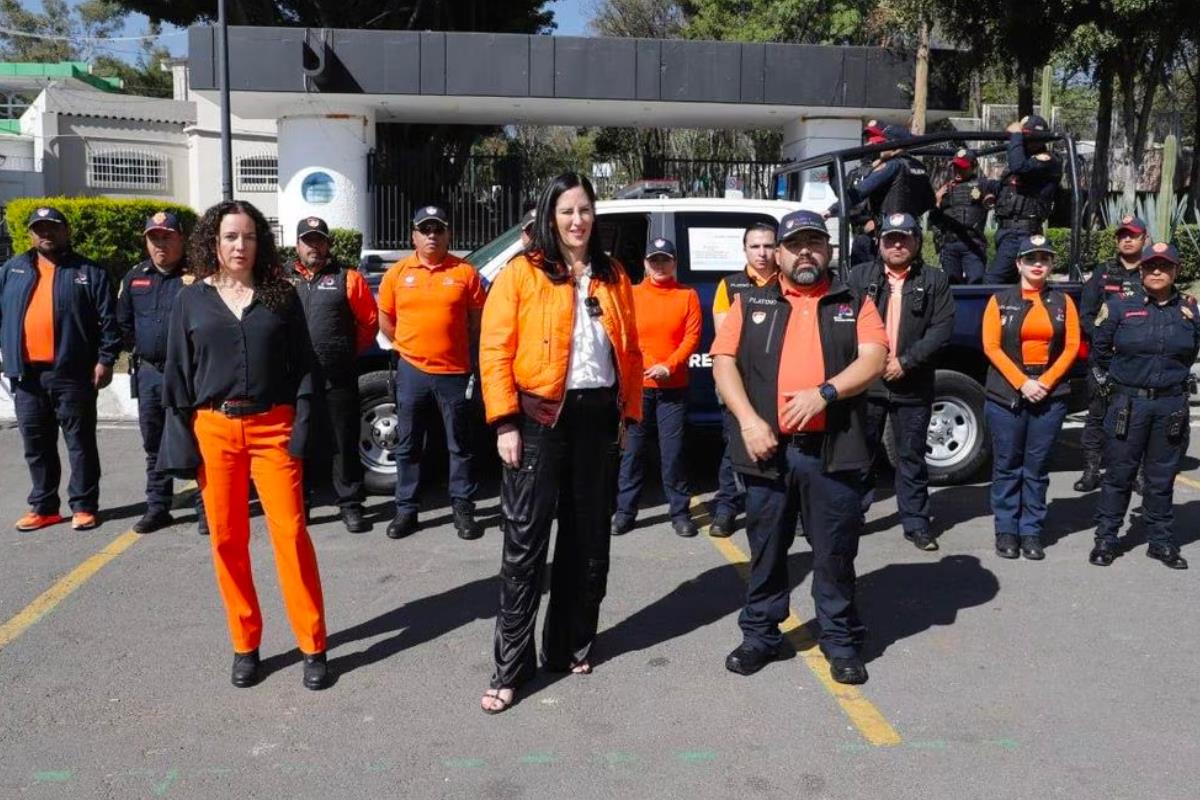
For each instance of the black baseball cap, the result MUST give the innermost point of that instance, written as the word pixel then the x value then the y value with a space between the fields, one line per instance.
pixel 798 221
pixel 1034 124
pixel 660 247
pixel 163 221
pixel 312 225
pixel 1132 224
pixel 45 214
pixel 431 214
pixel 1160 251
pixel 900 223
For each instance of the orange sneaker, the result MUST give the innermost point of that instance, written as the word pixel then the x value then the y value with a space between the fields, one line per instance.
pixel 84 521
pixel 33 521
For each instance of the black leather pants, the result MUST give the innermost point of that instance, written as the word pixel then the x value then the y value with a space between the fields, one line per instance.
pixel 567 471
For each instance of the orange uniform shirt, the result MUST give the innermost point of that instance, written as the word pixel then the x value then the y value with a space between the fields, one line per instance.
pixel 430 306
pixel 668 327
pixel 1036 334
pixel 801 362
pixel 39 316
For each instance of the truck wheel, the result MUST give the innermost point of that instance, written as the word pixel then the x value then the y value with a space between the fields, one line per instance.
pixel 377 437
pixel 958 445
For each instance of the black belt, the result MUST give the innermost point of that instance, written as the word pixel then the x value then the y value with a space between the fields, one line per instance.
pixel 158 365
pixel 808 441
pixel 1149 393
pixel 241 407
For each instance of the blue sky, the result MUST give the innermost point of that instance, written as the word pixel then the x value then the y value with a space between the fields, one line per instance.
pixel 572 17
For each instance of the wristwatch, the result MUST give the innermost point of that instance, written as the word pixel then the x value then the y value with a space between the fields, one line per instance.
pixel 828 392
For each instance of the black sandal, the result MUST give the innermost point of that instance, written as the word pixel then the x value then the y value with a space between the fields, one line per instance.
pixel 505 705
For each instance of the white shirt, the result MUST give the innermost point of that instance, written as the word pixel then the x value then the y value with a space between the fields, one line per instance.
pixel 591 365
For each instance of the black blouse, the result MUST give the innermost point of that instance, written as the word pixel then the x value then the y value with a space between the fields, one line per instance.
pixel 213 356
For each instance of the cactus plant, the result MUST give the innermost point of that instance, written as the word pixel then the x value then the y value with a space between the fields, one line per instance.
pixel 1164 225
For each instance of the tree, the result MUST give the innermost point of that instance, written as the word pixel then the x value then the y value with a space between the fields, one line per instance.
pixel 145 76
pixel 647 19
pixel 53 21
pixel 497 16
pixel 797 21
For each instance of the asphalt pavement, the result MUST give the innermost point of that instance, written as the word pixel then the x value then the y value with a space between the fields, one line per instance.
pixel 989 678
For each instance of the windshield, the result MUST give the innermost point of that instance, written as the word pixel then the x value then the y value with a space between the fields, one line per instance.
pixel 481 257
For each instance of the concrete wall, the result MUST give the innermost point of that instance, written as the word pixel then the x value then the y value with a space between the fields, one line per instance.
pixel 251 137
pixel 333 144
pixel 79 135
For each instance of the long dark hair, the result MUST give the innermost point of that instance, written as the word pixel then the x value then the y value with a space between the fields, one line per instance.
pixel 544 245
pixel 271 288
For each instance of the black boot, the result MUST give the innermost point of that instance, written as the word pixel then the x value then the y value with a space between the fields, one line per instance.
pixel 153 520
pixel 464 520
pixel 1089 481
pixel 404 524
pixel 316 672
pixel 201 520
pixel 1168 554
pixel 245 669
pixel 352 518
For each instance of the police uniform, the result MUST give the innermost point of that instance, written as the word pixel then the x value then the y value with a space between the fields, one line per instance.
pixel 57 323
pixel 899 185
pixel 144 303
pixel 959 219
pixel 1111 280
pixel 1027 335
pixel 1025 200
pixel 1147 348
pixel 918 313
pixel 785 338
pixel 342 322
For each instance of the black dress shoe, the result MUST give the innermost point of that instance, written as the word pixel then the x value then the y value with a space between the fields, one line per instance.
pixel 404 524
pixel 201 520
pixel 1103 554
pixel 1007 545
pixel 746 660
pixel 1168 554
pixel 721 527
pixel 464 521
pixel 352 518
pixel 922 540
pixel 316 672
pixel 684 527
pixel 1031 548
pixel 621 524
pixel 849 670
pixel 153 521
pixel 245 669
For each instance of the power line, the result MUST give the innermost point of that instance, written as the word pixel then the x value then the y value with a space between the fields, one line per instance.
pixel 56 38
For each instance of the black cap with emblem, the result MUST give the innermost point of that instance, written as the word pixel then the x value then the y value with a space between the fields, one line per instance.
pixel 45 214
pixel 311 225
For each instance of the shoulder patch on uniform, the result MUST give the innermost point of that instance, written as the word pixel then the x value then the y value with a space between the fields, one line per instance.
pixel 975 193
pixel 1043 156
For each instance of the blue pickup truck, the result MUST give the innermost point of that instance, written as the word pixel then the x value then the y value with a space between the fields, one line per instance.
pixel 707 234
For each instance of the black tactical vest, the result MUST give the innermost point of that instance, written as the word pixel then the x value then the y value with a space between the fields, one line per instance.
pixel 910 192
pixel 1018 201
pixel 964 204
pixel 765 313
pixel 1013 310
pixel 330 320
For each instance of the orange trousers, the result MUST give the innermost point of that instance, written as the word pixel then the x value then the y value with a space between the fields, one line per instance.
pixel 233 451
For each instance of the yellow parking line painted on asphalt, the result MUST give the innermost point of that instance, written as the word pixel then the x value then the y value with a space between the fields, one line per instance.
pixel 873 726
pixel 48 600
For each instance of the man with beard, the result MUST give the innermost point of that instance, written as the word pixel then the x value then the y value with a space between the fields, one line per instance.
pixel 59 338
pixel 791 362
pixel 144 304
pixel 342 322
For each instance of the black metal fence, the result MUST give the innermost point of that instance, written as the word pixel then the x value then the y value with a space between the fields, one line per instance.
pixel 486 195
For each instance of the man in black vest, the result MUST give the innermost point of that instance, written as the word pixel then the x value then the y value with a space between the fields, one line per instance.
pixel 1026 196
pixel 962 211
pixel 918 313
pixel 791 362
pixel 342 321
pixel 1118 277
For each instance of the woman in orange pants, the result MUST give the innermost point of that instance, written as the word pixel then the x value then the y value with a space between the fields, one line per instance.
pixel 238 381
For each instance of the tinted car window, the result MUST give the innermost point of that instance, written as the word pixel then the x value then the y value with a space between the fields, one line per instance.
pixel 623 236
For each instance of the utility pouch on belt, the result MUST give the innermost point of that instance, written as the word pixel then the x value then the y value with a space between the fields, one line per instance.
pixel 1122 428
pixel 1177 424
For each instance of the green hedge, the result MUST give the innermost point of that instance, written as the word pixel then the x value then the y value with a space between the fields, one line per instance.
pixel 1100 245
pixel 346 247
pixel 105 230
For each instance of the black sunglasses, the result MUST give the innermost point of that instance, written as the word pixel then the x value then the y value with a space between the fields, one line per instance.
pixel 432 229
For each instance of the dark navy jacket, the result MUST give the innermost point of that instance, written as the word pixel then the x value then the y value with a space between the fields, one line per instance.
pixel 144 310
pixel 85 315
pixel 1147 345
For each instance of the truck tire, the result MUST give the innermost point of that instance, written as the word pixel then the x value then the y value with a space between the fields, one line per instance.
pixel 959 444
pixel 377 439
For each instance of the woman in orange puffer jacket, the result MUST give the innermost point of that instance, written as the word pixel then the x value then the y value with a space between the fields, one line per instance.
pixel 561 375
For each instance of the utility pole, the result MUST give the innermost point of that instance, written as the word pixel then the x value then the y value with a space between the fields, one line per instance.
pixel 223 76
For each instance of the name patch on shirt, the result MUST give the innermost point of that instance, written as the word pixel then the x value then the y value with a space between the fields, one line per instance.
pixel 1112 287
pixel 138 283
pixel 1142 313
pixel 844 313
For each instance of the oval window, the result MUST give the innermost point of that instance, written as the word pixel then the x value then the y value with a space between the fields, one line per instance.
pixel 317 188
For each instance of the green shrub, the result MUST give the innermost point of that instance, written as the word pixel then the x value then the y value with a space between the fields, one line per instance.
pixel 105 230
pixel 346 246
